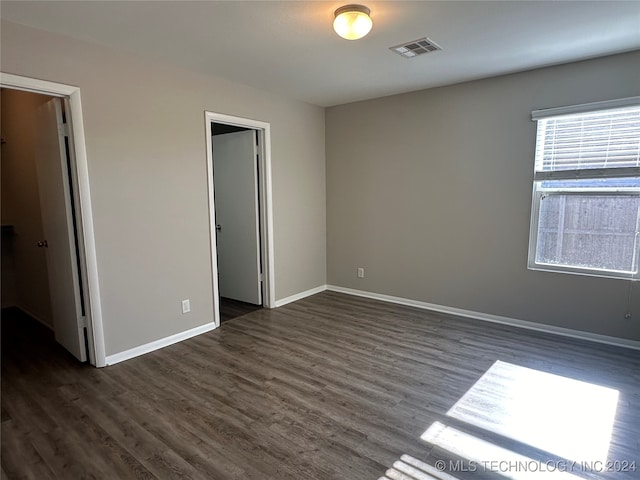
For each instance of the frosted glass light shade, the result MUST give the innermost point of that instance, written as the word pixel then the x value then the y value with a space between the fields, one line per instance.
pixel 352 21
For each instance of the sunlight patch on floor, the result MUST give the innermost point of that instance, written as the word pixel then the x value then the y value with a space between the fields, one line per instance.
pixel 483 456
pixel 410 468
pixel 567 418
pixel 562 416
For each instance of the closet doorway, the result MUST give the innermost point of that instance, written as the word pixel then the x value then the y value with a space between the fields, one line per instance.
pixel 43 268
pixel 239 191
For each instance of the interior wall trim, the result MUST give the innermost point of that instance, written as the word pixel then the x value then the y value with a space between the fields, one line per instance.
pixel 95 327
pixel 300 296
pixel 486 317
pixel 179 337
pixel 266 210
pixel 158 344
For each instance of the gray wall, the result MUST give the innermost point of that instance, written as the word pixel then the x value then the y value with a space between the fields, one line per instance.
pixel 145 138
pixel 25 281
pixel 430 192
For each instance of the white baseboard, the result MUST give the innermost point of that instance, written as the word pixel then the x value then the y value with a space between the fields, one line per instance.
pixel 178 337
pixel 300 296
pixel 565 332
pixel 158 344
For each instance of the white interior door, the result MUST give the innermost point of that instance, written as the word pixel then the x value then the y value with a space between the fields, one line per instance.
pixel 235 179
pixel 57 223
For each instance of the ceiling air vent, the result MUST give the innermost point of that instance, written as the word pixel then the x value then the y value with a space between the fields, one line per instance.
pixel 415 48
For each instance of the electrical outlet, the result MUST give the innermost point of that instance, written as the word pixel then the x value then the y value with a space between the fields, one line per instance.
pixel 186 306
pixel 360 272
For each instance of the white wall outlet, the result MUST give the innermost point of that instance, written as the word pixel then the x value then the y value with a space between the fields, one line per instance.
pixel 186 306
pixel 360 272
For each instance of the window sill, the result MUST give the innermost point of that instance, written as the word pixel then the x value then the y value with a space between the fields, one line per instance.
pixel 586 272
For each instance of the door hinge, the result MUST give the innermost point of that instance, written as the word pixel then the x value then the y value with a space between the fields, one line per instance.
pixel 260 278
pixel 83 321
pixel 65 129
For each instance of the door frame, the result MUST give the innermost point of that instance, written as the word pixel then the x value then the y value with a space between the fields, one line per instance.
pixel 266 206
pixel 88 256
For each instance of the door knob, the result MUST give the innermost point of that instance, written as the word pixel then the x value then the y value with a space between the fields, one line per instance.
pixel 43 243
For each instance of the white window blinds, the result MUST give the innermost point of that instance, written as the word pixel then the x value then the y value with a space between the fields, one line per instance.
pixel 585 215
pixel 588 144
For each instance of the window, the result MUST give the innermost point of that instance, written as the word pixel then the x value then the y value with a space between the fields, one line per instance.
pixel 586 191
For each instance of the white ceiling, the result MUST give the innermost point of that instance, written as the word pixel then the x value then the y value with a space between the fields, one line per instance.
pixel 289 47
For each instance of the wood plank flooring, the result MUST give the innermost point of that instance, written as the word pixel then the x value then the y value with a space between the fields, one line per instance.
pixel 230 309
pixel 330 387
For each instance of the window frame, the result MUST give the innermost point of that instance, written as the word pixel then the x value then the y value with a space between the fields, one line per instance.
pixel 595 173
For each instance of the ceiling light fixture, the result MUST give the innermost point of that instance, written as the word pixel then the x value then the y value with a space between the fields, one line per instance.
pixel 352 21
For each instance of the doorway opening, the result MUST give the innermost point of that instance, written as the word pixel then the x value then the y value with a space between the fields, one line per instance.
pixel 48 266
pixel 238 154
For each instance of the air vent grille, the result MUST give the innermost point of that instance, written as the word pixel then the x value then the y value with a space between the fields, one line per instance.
pixel 415 48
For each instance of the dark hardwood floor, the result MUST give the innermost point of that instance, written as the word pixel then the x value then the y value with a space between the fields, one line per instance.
pixel 230 309
pixel 329 387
